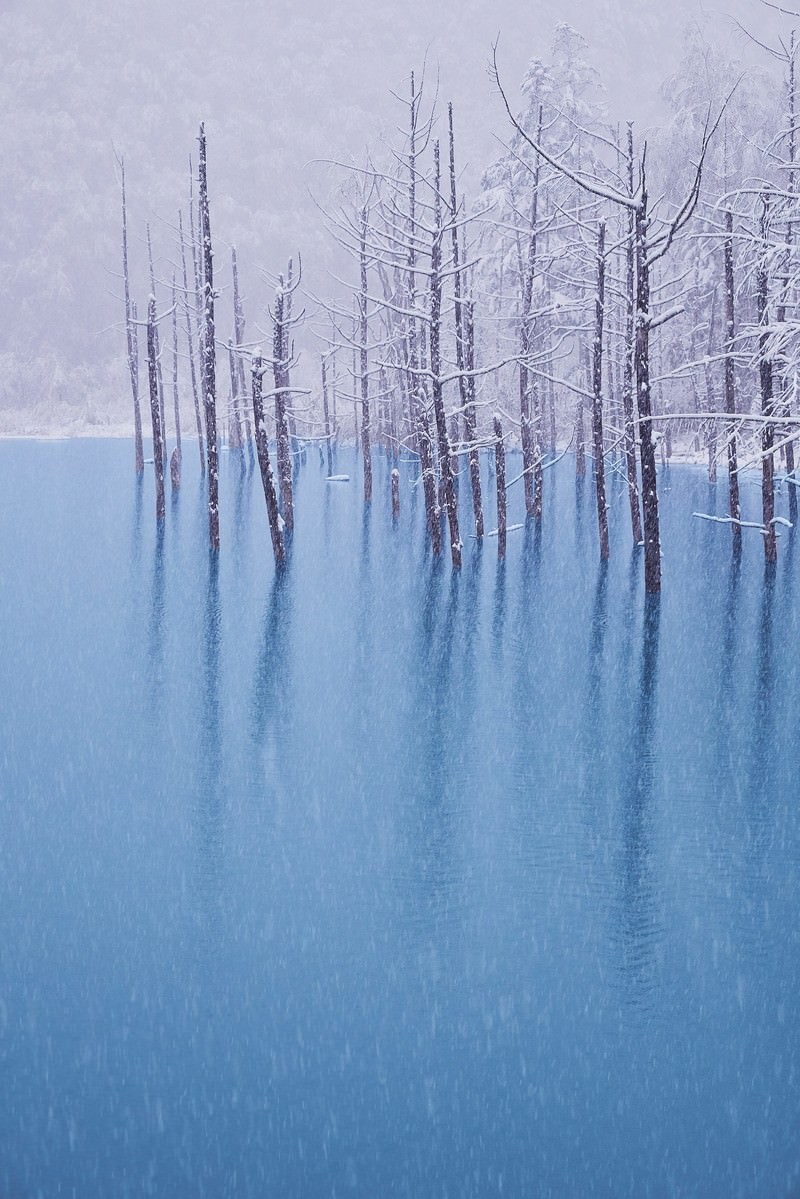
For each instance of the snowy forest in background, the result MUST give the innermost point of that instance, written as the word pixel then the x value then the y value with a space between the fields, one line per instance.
pixel 287 90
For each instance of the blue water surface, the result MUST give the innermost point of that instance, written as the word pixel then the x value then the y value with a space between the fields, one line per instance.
pixel 372 879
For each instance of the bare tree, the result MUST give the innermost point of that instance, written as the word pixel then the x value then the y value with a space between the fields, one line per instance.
pixel 190 349
pixel 262 450
pixel 209 364
pixel 155 407
pixel 730 381
pixel 766 382
pixel 500 478
pixel 651 243
pixel 280 368
pixel 597 394
pixel 175 460
pixel 130 333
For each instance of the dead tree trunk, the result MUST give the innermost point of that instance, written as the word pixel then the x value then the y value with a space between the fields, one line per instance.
pixel 464 316
pixel 262 449
pixel 297 453
pixel 470 422
pixel 280 370
pixel 580 437
pixel 597 393
pixel 326 414
pixel 395 493
pixel 767 406
pixel 238 337
pixel 209 362
pixel 530 452
pixel 131 336
pixel 334 417
pixel 641 362
pixel 158 350
pixel 412 360
pixel 366 451
pixel 429 476
pixel 445 465
pixel 155 408
pixel 235 439
pixel 710 405
pixel 195 242
pixel 628 405
pixel 780 315
pixel 356 434
pixel 500 475
pixel 177 453
pixel 730 381
pixel 190 351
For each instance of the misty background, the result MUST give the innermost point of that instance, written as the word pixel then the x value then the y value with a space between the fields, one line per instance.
pixel 283 88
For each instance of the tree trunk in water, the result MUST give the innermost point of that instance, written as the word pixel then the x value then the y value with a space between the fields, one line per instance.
pixel 238 337
pixel 445 465
pixel 597 394
pixel 730 381
pixel 155 409
pixel 641 356
pixel 366 451
pixel 190 351
pixel 789 242
pixel 326 415
pixel 538 473
pixel 209 362
pixel 281 376
pixel 158 351
pixel 580 440
pixel 296 453
pixel 356 434
pixel 429 477
pixel 458 306
pixel 767 407
pixel 628 404
pixel 235 439
pixel 131 336
pixel 710 405
pixel 262 449
pixel 500 473
pixel 177 453
pixel 529 450
pixel 395 493
pixel 470 422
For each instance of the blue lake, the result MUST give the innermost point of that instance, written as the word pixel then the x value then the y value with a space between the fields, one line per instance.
pixel 376 880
